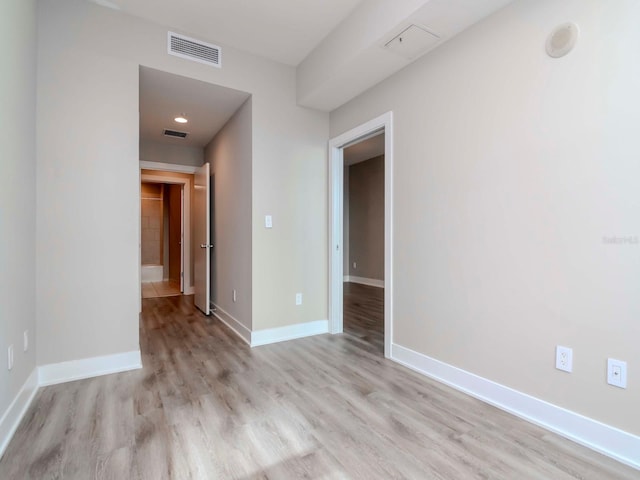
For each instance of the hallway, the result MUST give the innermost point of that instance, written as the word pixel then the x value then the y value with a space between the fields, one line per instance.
pixel 207 406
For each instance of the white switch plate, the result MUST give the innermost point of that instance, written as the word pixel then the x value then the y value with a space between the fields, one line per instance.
pixel 617 373
pixel 298 299
pixel 355 265
pixel 10 357
pixel 235 295
pixel 564 358
pixel 268 222
pixel 25 340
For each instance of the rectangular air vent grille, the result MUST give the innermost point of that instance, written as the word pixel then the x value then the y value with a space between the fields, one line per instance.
pixel 175 133
pixel 193 49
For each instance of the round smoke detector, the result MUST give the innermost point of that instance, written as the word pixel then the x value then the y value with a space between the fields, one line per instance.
pixel 562 40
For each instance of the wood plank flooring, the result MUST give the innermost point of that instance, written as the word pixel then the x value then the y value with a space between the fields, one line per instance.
pixel 166 288
pixel 206 406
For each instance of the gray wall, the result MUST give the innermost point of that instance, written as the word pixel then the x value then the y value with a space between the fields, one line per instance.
pixel 229 154
pixel 167 153
pixel 17 193
pixel 345 222
pixel 366 219
pixel 511 170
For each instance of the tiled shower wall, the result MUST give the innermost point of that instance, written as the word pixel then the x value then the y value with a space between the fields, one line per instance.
pixel 151 228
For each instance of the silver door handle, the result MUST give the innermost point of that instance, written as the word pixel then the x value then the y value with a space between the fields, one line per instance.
pixel 204 245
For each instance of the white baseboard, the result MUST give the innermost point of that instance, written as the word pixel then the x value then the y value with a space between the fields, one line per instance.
pixel 270 335
pixel 617 444
pixel 372 282
pixel 88 367
pixel 151 273
pixel 289 332
pixel 189 290
pixel 13 415
pixel 234 324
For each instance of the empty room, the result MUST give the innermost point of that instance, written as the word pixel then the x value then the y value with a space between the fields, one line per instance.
pixel 460 301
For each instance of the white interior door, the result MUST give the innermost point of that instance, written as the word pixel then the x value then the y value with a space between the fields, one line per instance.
pixel 182 239
pixel 201 234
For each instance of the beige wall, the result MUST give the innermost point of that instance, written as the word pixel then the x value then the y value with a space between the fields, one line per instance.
pixel 17 193
pixel 175 154
pixel 230 156
pixel 345 221
pixel 366 219
pixel 510 167
pixel 92 56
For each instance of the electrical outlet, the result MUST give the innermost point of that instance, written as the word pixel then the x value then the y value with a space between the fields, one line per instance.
pixel 355 265
pixel 617 373
pixel 564 358
pixel 268 221
pixel 25 340
pixel 10 357
pixel 298 299
pixel 235 295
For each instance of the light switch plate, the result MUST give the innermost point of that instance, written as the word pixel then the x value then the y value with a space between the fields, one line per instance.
pixel 268 222
pixel 10 357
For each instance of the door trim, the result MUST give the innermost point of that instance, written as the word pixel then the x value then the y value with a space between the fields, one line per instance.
pixel 336 201
pixel 167 167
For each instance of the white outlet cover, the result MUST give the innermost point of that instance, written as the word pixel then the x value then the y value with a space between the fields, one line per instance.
pixel 26 340
pixel 564 358
pixel 298 299
pixel 617 373
pixel 268 221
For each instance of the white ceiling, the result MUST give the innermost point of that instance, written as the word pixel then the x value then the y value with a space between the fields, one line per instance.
pixel 355 57
pixel 282 30
pixel 163 96
pixel 365 150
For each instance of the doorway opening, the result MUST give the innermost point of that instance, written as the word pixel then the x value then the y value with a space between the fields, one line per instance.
pixel 360 260
pixel 363 234
pixel 165 229
pixel 192 132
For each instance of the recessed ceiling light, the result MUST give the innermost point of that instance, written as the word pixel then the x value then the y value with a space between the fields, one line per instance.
pixel 181 119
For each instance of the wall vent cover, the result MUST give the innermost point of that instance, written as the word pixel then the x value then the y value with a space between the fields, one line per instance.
pixel 174 133
pixel 192 49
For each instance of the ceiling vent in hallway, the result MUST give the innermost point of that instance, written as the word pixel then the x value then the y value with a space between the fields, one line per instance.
pixel 174 133
pixel 195 50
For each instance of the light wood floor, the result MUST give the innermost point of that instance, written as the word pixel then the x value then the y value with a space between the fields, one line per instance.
pixel 205 406
pixel 166 288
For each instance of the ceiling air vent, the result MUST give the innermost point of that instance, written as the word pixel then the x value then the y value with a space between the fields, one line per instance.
pixel 174 133
pixel 193 49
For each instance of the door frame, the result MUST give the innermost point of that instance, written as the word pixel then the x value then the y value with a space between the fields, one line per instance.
pixel 186 247
pixel 336 226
